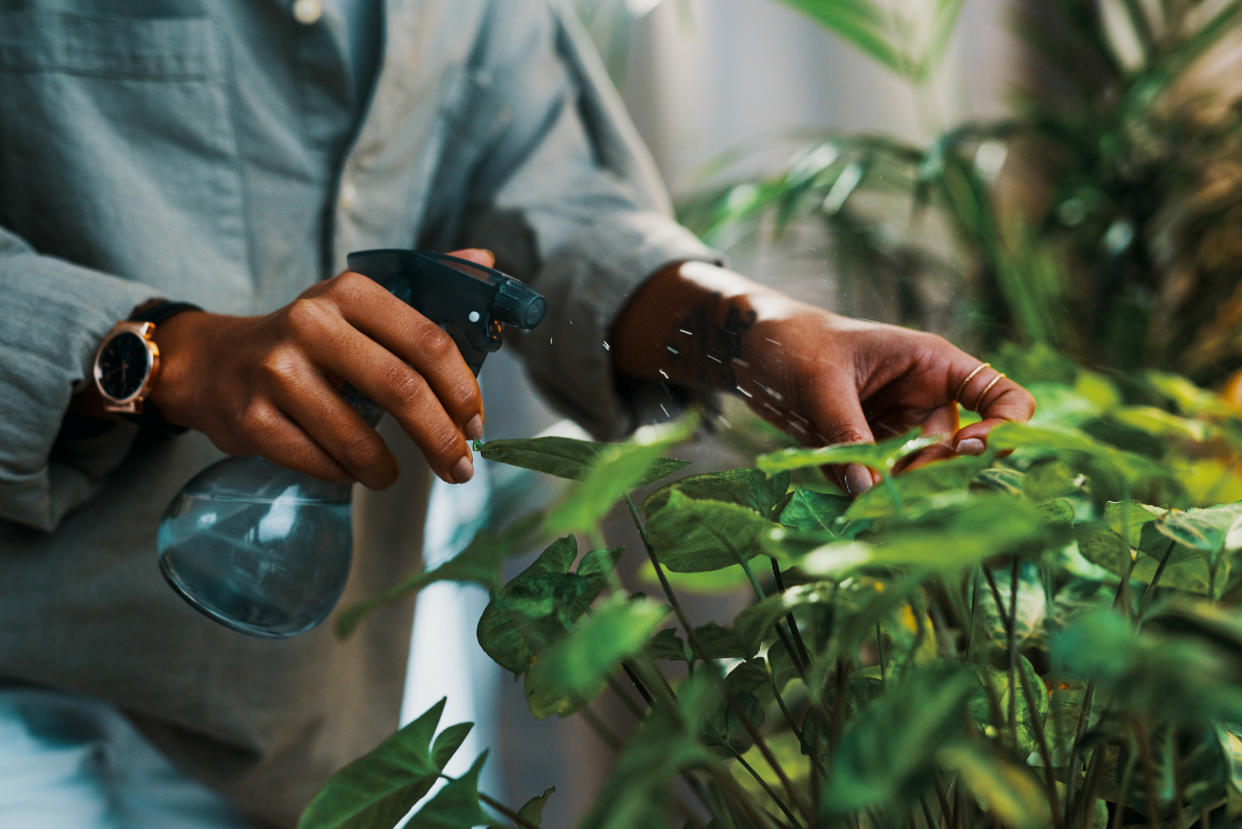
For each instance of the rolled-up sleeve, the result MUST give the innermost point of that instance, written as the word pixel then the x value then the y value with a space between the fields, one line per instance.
pixel 55 315
pixel 569 198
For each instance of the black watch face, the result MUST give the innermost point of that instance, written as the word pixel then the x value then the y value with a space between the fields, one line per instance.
pixel 123 365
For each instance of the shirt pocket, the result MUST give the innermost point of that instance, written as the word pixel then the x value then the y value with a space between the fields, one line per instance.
pixel 117 145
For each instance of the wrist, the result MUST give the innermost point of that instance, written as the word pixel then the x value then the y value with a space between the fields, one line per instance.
pixel 181 340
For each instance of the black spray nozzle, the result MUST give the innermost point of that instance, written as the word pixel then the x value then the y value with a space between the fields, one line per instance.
pixel 469 301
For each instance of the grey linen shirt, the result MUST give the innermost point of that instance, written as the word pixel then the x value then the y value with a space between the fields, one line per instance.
pixel 215 151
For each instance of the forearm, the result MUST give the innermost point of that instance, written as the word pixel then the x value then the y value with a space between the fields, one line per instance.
pixel 692 324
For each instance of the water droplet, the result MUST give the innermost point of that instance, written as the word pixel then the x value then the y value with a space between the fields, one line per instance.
pixel 664 374
pixel 607 347
pixel 739 361
pixel 672 350
pixel 666 414
pixel 549 341
pixel 774 342
pixel 687 333
pixel 717 359
pixel 721 420
pixel 743 391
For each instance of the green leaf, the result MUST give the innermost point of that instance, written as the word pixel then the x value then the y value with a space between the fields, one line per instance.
pixel 691 536
pixel 887 755
pixel 755 624
pixel 1069 444
pixel 859 22
pixel 377 789
pixel 745 487
pixel 456 805
pixel 998 688
pixel 532 810
pixel 959 533
pixel 1009 793
pixel 1127 518
pixel 1188 397
pixel 1032 605
pixel 479 564
pixel 565 457
pixel 574 669
pixel 540 604
pixel 811 510
pixel 447 742
pixel 614 471
pixel 881 456
pixel 667 645
pixel 1204 530
pixel 917 486
pixel 1180 659
pixel 712 582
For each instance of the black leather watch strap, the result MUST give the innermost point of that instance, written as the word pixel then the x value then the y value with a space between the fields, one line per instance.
pixel 158 310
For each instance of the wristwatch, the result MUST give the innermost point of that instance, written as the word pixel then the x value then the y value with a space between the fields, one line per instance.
pixel 127 364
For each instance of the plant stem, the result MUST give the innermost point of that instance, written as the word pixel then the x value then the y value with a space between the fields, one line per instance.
pixel 1126 776
pixel 630 705
pixel 974 609
pixel 497 805
pixel 1072 768
pixel 879 650
pixel 764 785
pixel 678 610
pixel 1150 592
pixel 802 653
pixel 1011 626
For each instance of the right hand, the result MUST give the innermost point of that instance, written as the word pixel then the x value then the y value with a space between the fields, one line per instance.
pixel 270 385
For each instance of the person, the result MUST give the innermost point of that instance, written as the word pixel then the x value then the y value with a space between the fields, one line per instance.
pixel 229 154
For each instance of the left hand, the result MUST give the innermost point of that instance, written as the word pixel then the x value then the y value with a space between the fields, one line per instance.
pixel 822 377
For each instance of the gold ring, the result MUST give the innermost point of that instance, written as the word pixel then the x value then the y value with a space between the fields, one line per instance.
pixel 962 386
pixel 979 400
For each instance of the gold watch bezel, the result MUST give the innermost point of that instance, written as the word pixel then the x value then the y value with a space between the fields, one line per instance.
pixel 133 403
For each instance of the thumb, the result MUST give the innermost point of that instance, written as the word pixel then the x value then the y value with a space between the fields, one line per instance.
pixel 838 418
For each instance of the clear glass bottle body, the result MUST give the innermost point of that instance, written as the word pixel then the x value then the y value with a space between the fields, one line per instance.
pixel 262 549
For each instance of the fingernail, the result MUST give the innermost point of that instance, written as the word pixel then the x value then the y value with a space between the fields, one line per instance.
pixel 857 479
pixel 464 471
pixel 970 446
pixel 474 429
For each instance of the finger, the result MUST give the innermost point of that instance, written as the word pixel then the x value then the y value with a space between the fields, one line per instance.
pixel 838 418
pixel 941 423
pixel 479 256
pixel 309 400
pixel 973 439
pixel 409 398
pixel 985 390
pixel 416 340
pixel 268 432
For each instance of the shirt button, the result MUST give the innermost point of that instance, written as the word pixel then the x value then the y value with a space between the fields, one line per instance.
pixel 307 12
pixel 348 196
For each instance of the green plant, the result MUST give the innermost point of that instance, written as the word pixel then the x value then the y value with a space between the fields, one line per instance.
pixel 1026 640
pixel 1049 637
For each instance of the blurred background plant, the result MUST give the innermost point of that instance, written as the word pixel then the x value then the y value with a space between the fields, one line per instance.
pixel 1101 218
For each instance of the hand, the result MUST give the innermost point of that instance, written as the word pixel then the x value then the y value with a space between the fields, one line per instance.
pixel 270 385
pixel 822 377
